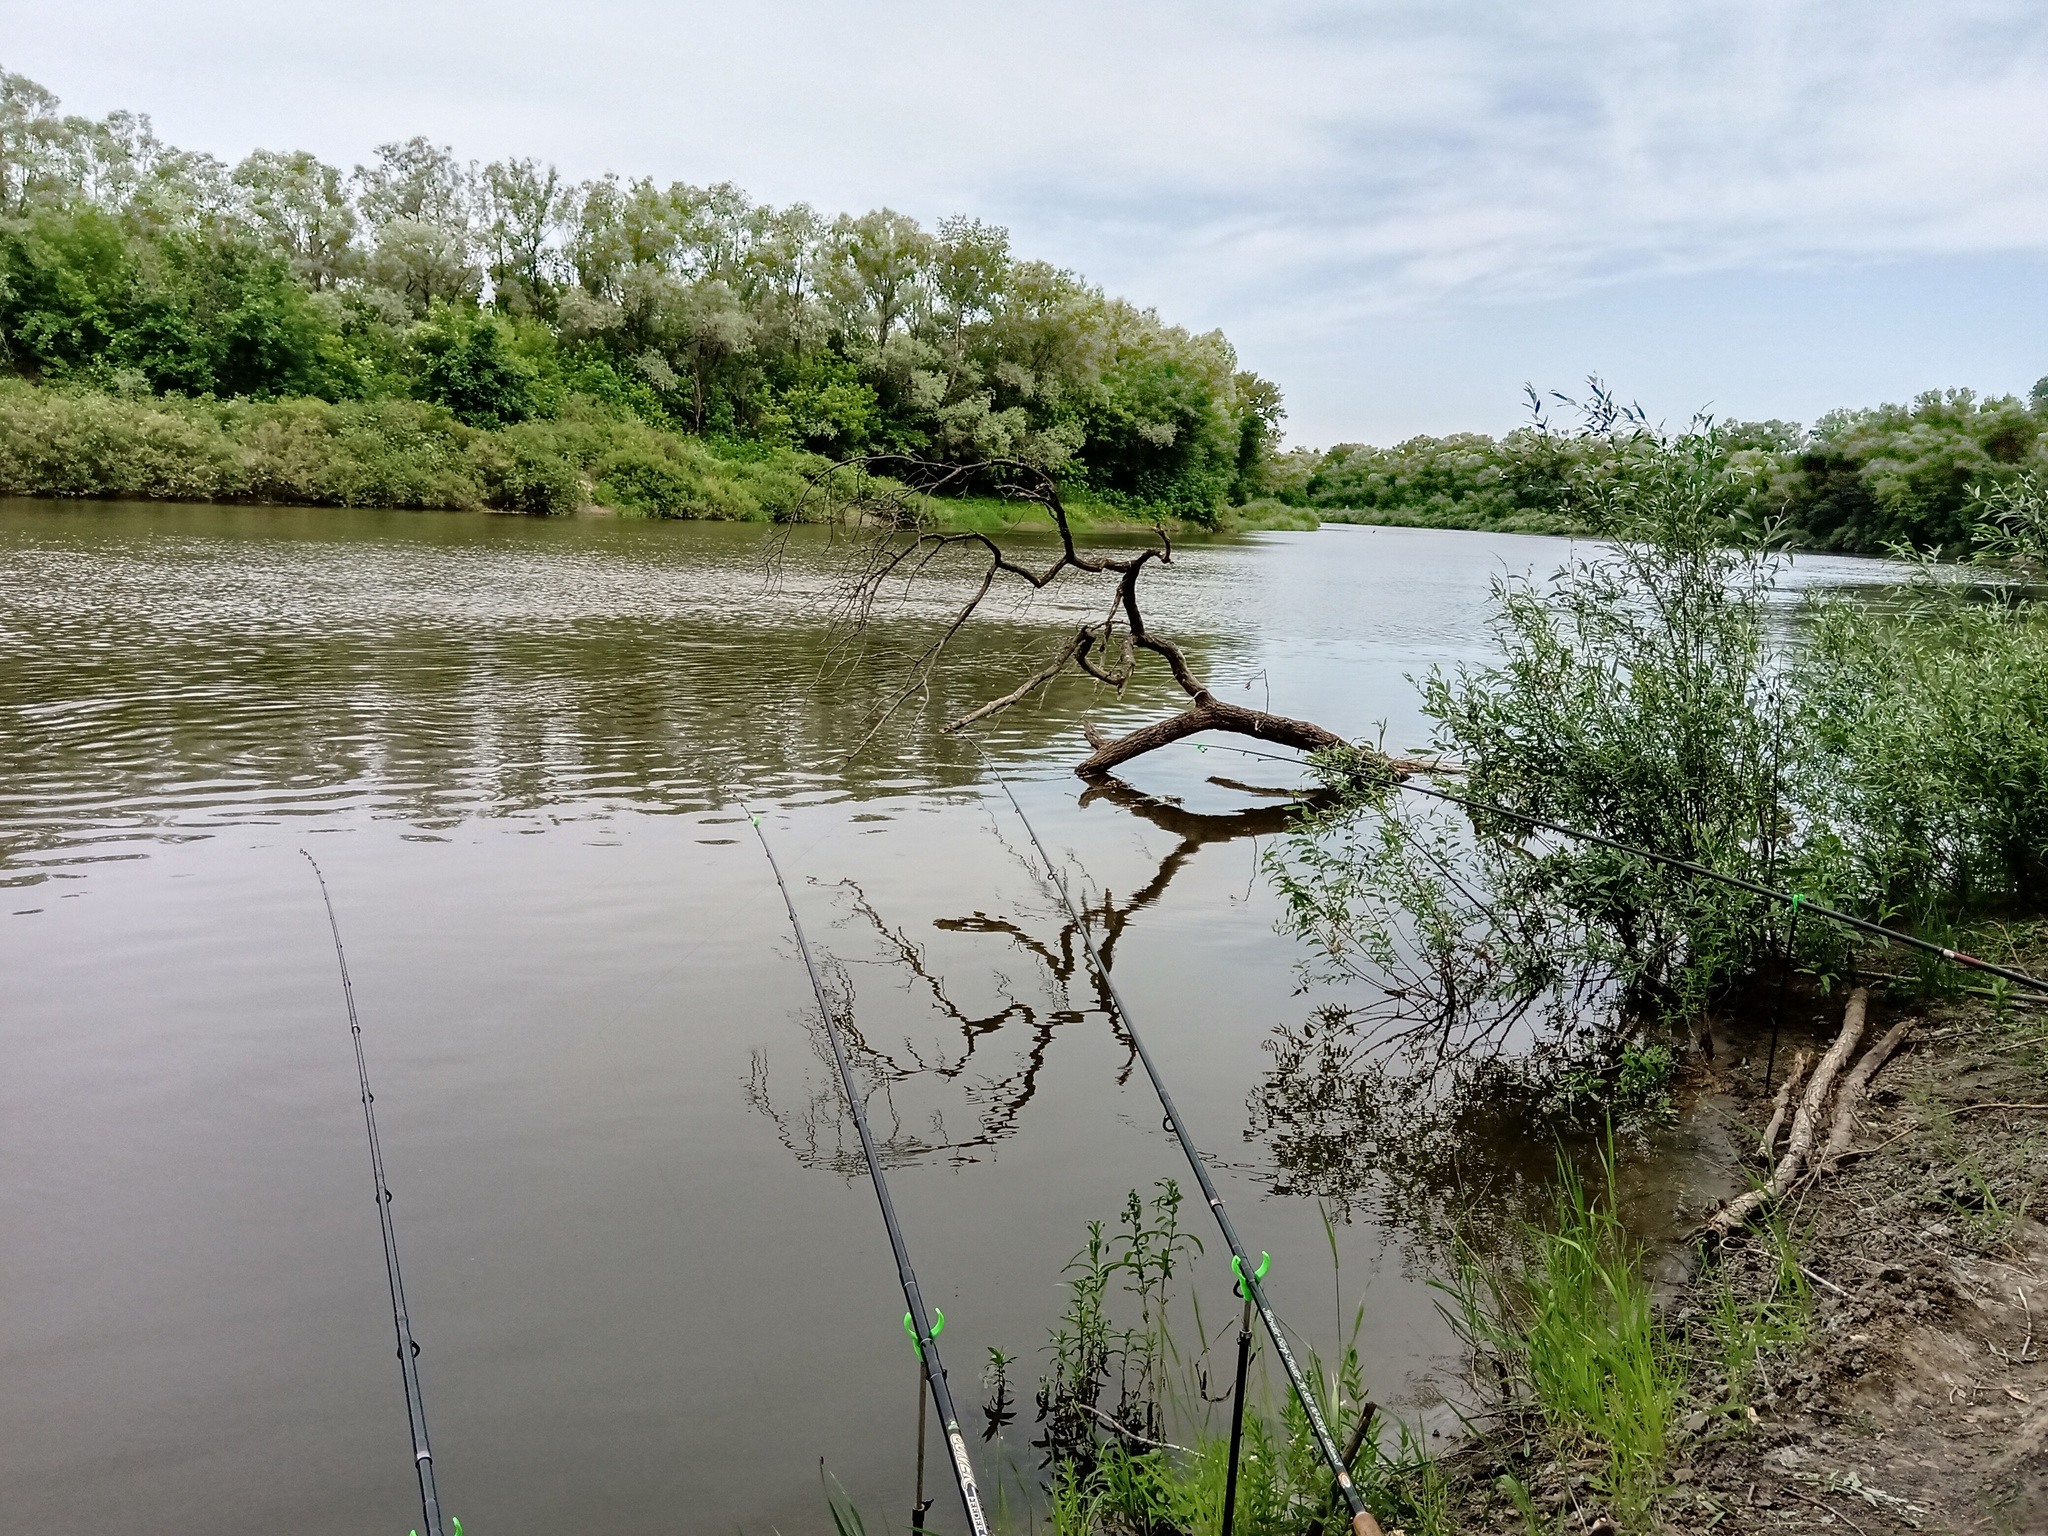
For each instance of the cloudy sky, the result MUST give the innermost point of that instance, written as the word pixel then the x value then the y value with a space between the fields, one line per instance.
pixel 1401 212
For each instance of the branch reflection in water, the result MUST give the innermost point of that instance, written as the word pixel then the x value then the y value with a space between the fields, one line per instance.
pixel 1440 1149
pixel 817 1130
pixel 1414 1109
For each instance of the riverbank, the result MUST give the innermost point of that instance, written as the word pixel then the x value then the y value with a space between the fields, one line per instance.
pixel 408 455
pixel 1895 1378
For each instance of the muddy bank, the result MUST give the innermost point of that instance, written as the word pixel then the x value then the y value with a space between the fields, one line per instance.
pixel 1904 1381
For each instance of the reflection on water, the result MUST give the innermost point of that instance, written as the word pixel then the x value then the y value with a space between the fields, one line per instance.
pixel 260 663
pixel 1044 940
pixel 649 1280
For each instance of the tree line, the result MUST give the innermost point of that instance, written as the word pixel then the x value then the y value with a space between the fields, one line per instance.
pixel 505 293
pixel 1859 481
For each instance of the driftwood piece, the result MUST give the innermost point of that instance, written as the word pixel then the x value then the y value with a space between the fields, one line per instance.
pixel 1844 1128
pixel 1767 1148
pixel 1805 1124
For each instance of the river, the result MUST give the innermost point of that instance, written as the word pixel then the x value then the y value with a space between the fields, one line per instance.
pixel 648 1275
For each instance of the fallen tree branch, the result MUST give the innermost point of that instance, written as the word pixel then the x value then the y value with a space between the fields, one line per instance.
pixel 1767 1148
pixel 1025 689
pixel 1208 713
pixel 1805 1124
pixel 1844 1128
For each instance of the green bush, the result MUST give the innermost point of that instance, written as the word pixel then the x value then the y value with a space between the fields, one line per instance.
pixel 1636 696
pixel 1932 730
pixel 661 475
pixel 529 468
pixel 463 359
pixel 54 444
pixel 374 453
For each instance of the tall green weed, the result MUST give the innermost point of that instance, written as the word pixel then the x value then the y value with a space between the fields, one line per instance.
pixel 1576 1341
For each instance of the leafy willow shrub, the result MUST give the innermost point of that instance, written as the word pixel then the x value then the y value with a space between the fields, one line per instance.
pixel 386 453
pixel 1637 695
pixel 658 474
pixel 89 444
pixel 375 453
pixel 2011 528
pixel 1932 724
pixel 526 469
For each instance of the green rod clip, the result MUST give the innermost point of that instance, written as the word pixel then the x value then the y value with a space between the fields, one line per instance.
pixel 938 1327
pixel 1265 1263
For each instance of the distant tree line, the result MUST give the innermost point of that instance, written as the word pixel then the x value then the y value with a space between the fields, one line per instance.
pixel 505 294
pixel 1859 481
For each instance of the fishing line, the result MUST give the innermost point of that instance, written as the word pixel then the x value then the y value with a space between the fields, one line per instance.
pixel 401 1321
pixel 1791 899
pixel 919 1325
pixel 1362 1521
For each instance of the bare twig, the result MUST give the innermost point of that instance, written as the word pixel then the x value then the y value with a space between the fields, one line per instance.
pixel 1076 647
pixel 902 548
pixel 1131 1434
pixel 1817 1504
pixel 1821 1281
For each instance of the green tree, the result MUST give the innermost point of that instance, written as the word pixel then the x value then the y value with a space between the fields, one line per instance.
pixel 876 270
pixel 522 204
pixel 463 360
pixel 303 206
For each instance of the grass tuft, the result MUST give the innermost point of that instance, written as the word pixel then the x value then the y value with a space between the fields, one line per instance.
pixel 1577 1341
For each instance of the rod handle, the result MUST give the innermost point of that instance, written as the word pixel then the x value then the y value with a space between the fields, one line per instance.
pixel 1363 1524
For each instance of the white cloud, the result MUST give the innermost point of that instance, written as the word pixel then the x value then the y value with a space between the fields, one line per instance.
pixel 1293 172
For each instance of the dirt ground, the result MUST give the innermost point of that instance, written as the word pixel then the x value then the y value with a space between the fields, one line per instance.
pixel 1918 1398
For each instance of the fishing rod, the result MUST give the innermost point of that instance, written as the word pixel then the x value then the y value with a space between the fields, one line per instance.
pixel 401 1320
pixel 922 1333
pixel 1362 1521
pixel 1795 901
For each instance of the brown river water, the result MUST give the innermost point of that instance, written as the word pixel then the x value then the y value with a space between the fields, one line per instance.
pixel 643 1261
